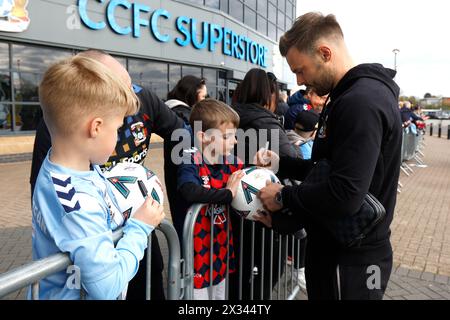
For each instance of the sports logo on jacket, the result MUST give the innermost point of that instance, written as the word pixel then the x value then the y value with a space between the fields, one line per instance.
pixel 66 192
pixel 137 129
pixel 323 129
pixel 205 181
pixel 217 212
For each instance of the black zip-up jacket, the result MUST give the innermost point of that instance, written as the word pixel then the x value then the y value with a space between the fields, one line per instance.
pixel 254 116
pixel 360 133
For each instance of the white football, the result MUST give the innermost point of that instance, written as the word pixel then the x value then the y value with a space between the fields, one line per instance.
pixel 130 183
pixel 246 203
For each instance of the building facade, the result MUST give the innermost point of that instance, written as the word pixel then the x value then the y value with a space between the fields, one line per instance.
pixel 157 41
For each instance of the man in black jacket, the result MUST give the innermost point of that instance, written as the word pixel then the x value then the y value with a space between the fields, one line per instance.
pixel 360 134
pixel 132 146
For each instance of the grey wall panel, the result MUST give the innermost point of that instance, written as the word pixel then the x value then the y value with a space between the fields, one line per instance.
pixel 58 23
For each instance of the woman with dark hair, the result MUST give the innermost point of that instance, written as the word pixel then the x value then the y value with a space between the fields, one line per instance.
pixel 188 91
pixel 253 104
pixel 278 106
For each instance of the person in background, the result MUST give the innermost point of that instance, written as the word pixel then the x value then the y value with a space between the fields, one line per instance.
pixel 303 101
pixel 187 92
pixel 409 118
pixel 304 132
pixel 278 106
pixel 212 176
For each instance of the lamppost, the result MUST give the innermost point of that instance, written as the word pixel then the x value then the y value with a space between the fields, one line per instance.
pixel 395 51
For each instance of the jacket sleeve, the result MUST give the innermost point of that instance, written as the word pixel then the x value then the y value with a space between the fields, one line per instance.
pixel 105 269
pixel 164 120
pixel 354 151
pixel 194 193
pixel 42 144
pixel 294 168
pixel 191 189
pixel 284 222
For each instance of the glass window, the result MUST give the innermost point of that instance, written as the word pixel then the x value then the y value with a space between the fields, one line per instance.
pixel 237 10
pixel 27 117
pixel 26 86
pixel 174 75
pixel 5 86
pixel 212 3
pixel 251 3
pixel 222 78
pixel 199 2
pixel 280 33
pixel 272 32
pixel 212 91
pixel 272 13
pixel 250 18
pixel 210 76
pixel 193 71
pixel 222 94
pixel 280 20
pixel 4 56
pixel 224 5
pixel 159 88
pixel 262 7
pixel 36 59
pixel 5 116
pixel 281 5
pixel 147 71
pixel 294 13
pixel 150 74
pixel 289 9
pixel 288 23
pixel 262 25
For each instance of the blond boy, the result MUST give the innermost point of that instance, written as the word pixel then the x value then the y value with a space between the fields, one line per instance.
pixel 84 104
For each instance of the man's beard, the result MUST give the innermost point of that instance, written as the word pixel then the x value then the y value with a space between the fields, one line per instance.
pixel 325 81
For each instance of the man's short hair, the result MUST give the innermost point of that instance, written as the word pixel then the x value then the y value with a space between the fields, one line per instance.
pixel 307 29
pixel 213 113
pixel 81 86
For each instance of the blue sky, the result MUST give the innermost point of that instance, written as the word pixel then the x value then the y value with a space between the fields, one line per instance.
pixel 419 29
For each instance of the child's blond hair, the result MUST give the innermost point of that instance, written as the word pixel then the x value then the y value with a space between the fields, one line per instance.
pixel 77 87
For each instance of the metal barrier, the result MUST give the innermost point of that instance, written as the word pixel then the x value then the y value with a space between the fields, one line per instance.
pixel 411 149
pixel 33 272
pixel 289 292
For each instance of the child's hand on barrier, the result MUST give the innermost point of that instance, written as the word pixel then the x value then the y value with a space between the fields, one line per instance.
pixel 151 212
pixel 233 181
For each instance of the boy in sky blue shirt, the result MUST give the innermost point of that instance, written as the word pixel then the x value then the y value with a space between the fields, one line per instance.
pixel 74 211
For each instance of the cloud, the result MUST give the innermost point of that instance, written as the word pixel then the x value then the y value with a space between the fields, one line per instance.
pixel 372 29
